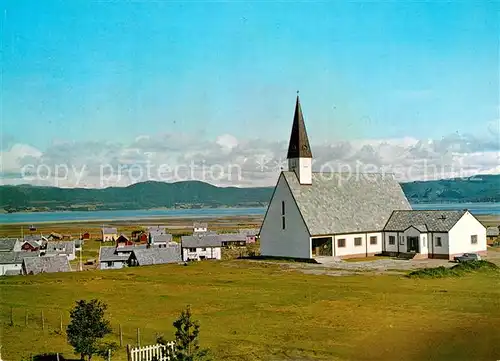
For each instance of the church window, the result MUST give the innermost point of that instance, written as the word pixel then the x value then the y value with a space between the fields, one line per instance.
pixel 283 222
pixel 282 208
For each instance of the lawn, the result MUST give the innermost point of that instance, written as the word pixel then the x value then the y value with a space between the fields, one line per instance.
pixel 259 311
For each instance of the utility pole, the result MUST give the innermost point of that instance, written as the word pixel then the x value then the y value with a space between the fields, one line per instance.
pixel 81 251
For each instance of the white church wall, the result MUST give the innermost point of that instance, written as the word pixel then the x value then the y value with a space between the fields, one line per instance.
pixel 293 240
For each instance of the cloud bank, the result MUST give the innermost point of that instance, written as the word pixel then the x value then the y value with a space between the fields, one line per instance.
pixel 228 161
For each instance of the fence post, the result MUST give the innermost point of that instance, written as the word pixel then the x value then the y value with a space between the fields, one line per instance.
pixel 109 355
pixel 57 356
pixel 121 335
pixel 43 320
pixel 26 318
pixel 61 318
pixel 138 337
pixel 12 316
pixel 128 353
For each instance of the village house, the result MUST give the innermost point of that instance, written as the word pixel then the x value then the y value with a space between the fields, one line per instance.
pixel 85 236
pixel 433 234
pixel 109 234
pixel 155 255
pixel 492 234
pixel 51 264
pixel 111 258
pixel 250 234
pixel 200 227
pixel 123 241
pixel 233 239
pixel 199 247
pixel 161 240
pixel 54 236
pixel 61 248
pixel 11 262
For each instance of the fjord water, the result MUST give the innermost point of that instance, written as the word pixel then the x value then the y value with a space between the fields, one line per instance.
pixel 38 217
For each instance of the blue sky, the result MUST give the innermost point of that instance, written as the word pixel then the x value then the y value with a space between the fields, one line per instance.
pixel 106 70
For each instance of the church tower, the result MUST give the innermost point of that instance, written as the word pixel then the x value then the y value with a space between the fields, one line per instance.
pixel 299 153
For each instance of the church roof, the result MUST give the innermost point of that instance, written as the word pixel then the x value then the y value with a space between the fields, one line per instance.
pixel 337 203
pixel 298 146
pixel 433 221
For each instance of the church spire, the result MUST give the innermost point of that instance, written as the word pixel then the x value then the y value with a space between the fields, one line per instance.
pixel 299 143
pixel 299 152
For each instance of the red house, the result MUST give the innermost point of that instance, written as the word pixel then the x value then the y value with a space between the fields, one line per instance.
pixel 86 235
pixel 123 241
pixel 143 238
pixel 30 247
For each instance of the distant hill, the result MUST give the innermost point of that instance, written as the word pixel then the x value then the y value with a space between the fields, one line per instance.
pixel 195 194
pixel 480 188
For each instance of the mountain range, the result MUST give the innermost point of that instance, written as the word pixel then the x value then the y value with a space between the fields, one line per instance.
pixel 196 194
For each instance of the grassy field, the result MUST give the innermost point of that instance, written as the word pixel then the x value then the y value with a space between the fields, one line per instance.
pixel 260 311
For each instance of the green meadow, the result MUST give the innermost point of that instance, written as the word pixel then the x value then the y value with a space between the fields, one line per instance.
pixel 261 311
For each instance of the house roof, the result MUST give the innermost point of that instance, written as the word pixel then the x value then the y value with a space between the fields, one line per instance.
pixel 232 237
pixel 7 244
pixel 109 254
pixel 122 236
pixel 201 241
pixel 162 238
pixel 200 225
pixel 60 247
pixel 434 221
pixel 298 146
pixel 109 230
pixel 16 257
pixel 33 244
pixel 249 231
pixel 345 203
pixel 157 230
pixel 34 238
pixel 46 265
pixel 150 256
pixel 492 231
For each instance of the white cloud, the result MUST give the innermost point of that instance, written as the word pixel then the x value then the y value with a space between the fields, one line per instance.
pixel 228 161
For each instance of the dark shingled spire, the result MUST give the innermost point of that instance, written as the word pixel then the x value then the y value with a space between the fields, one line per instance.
pixel 299 143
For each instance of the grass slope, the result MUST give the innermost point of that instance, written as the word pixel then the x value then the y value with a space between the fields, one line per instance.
pixel 254 311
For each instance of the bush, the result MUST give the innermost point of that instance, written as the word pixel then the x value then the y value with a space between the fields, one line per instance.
pixel 455 271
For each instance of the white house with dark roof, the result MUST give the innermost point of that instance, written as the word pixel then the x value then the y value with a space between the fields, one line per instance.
pixel 434 234
pixel 155 255
pixel 61 248
pixel 200 227
pixel 109 234
pixel 326 214
pixel 199 247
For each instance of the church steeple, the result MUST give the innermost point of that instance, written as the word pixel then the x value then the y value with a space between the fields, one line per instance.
pixel 298 147
pixel 299 152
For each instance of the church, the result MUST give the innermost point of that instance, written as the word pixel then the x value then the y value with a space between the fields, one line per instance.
pixel 324 214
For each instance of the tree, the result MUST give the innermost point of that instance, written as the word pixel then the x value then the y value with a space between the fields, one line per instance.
pixel 87 327
pixel 186 339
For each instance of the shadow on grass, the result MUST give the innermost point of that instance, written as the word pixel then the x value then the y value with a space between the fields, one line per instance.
pixel 278 259
pixel 53 356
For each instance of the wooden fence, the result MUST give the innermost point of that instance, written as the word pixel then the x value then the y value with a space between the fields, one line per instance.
pixel 149 353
